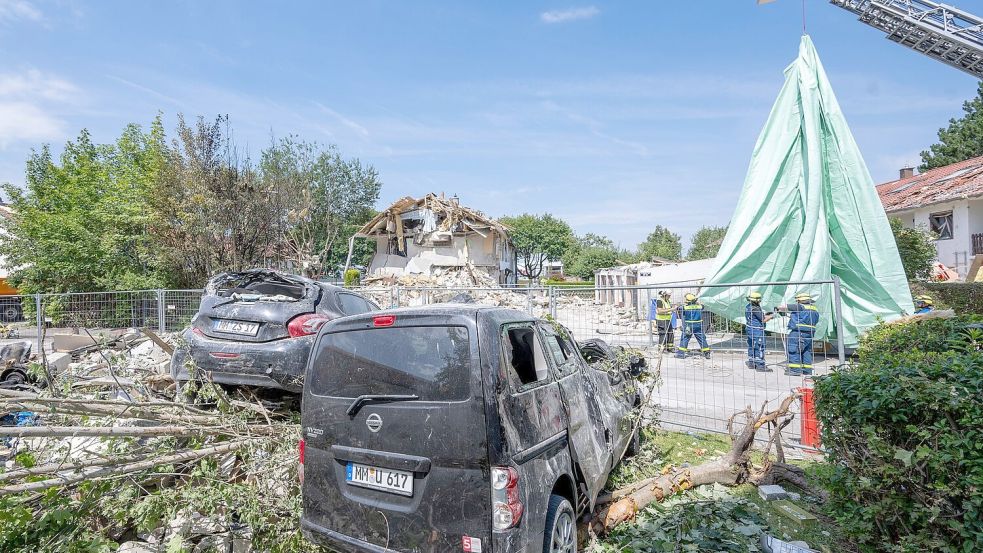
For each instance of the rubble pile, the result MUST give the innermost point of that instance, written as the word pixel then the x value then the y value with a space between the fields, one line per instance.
pixel 130 464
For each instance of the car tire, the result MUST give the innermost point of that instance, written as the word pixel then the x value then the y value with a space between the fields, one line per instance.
pixel 561 527
pixel 635 443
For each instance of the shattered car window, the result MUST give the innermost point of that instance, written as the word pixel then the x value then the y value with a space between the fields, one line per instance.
pixel 257 286
pixel 433 362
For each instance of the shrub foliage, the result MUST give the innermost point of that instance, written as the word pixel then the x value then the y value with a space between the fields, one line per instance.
pixel 902 429
pixel 965 297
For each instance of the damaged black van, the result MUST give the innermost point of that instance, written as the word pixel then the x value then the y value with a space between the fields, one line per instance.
pixel 456 428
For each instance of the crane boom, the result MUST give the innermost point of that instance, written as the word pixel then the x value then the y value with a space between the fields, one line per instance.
pixel 941 32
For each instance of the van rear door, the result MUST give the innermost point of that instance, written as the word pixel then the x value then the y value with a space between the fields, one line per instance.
pixel 394 427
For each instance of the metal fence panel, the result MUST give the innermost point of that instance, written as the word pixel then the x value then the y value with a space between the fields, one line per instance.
pixel 695 392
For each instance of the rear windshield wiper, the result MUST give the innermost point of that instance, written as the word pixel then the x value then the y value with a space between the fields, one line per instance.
pixel 377 398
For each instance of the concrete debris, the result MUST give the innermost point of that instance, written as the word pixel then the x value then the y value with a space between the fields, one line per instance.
pixel 772 492
pixel 427 235
pixel 58 362
pixel 137 547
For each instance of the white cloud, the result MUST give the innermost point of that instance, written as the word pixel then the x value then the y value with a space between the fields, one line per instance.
pixel 27 105
pixel 569 14
pixel 19 10
pixel 354 126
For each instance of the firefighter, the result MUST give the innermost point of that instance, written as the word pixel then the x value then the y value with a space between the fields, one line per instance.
pixel 924 304
pixel 803 317
pixel 756 318
pixel 663 321
pixel 691 313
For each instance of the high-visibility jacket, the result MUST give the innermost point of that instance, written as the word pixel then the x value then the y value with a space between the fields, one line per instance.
pixel 692 313
pixel 663 304
pixel 803 318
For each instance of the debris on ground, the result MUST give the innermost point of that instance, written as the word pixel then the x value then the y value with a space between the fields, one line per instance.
pixel 108 456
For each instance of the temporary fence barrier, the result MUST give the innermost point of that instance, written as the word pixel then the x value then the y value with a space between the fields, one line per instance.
pixel 694 391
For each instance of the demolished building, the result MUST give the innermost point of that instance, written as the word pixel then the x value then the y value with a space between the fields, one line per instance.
pixel 433 234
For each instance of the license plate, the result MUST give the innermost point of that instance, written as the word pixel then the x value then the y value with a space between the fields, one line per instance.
pixel 237 327
pixel 392 481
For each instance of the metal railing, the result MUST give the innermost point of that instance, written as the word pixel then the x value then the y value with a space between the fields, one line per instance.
pixel 695 392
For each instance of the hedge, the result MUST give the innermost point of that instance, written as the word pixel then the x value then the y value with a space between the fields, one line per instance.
pixel 903 432
pixel 963 297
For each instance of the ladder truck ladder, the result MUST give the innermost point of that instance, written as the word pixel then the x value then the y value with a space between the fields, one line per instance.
pixel 941 32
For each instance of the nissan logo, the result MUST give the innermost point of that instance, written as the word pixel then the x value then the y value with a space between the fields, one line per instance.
pixel 374 422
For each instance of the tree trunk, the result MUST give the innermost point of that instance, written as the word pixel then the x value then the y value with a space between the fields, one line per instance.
pixel 733 468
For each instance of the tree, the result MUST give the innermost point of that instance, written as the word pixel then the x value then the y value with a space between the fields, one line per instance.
pixel 706 243
pixel 963 139
pixel 661 243
pixel 916 247
pixel 588 253
pixel 538 238
pixel 212 210
pixel 328 196
pixel 80 223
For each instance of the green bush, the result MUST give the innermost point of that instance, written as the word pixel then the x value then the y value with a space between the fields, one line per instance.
pixel 903 434
pixel 963 297
pixel 561 283
pixel 352 277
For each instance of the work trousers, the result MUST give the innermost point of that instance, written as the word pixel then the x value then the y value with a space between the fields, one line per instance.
pixel 756 347
pixel 693 330
pixel 667 337
pixel 799 348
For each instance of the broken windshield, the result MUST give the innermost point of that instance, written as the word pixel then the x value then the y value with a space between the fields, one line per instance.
pixel 253 286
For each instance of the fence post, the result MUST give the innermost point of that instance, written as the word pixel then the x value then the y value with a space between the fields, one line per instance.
pixel 552 297
pixel 645 313
pixel 40 321
pixel 529 300
pixel 396 295
pixel 838 307
pixel 160 311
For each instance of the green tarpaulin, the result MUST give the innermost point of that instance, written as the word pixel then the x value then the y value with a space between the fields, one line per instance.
pixel 809 211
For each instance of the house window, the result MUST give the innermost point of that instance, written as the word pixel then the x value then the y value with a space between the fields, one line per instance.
pixel 941 224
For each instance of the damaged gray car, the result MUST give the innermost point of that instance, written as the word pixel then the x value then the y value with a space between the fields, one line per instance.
pixel 256 328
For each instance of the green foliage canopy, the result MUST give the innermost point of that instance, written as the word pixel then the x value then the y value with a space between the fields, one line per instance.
pixel 662 243
pixel 538 238
pixel 589 253
pixel 706 243
pixel 961 140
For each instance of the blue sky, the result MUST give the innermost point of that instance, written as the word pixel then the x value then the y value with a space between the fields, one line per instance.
pixel 615 116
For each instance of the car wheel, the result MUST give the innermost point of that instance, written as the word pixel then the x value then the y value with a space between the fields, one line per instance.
pixel 10 313
pixel 14 378
pixel 635 444
pixel 561 527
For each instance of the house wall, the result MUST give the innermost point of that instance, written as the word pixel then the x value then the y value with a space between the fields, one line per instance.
pixel 482 251
pixel 967 219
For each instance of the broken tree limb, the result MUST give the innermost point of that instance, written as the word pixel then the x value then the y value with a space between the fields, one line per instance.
pixel 169 349
pixel 70 431
pixel 182 457
pixel 733 468
pixel 50 468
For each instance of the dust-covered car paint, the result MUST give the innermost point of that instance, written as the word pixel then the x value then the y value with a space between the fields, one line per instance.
pixel 455 396
pixel 257 327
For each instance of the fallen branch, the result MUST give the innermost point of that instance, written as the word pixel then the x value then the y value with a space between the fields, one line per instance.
pixel 733 468
pixel 183 457
pixel 72 431
pixel 50 468
pixel 169 349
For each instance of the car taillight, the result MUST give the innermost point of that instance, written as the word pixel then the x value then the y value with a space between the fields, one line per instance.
pixel 198 331
pixel 300 466
pixel 506 506
pixel 383 320
pixel 306 324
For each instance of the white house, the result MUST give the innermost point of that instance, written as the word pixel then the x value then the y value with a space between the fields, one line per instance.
pixel 948 201
pixel 419 236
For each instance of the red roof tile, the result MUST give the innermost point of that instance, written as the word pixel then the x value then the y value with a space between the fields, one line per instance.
pixel 943 184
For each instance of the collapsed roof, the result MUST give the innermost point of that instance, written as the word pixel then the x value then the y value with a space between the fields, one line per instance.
pixel 430 219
